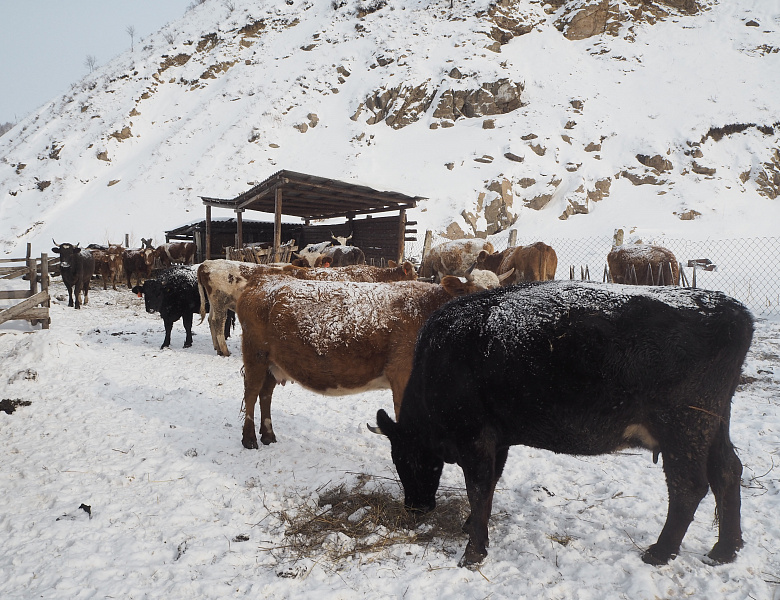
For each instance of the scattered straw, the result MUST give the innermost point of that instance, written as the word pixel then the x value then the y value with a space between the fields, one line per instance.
pixel 364 519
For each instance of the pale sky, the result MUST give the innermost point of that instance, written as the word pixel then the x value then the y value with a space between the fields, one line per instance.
pixel 44 43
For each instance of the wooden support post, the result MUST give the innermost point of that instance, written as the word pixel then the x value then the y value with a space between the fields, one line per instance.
pixel 513 239
pixel 426 245
pixel 401 236
pixel 277 222
pixel 45 286
pixel 32 273
pixel 240 227
pixel 127 241
pixel 208 232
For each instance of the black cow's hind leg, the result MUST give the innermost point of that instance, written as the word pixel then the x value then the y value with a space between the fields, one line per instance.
pixel 186 318
pixel 724 471
pixel 686 480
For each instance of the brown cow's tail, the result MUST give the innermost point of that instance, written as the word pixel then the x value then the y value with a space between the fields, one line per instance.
pixel 202 293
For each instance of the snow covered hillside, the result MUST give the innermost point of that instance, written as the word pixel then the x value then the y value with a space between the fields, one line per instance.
pixel 565 118
pixel 149 442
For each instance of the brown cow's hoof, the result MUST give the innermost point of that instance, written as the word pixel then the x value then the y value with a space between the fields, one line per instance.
pixel 249 444
pixel 268 438
pixel 652 556
pixel 472 557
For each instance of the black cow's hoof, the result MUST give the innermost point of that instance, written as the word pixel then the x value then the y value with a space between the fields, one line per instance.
pixel 652 556
pixel 188 344
pixel 724 553
pixel 472 557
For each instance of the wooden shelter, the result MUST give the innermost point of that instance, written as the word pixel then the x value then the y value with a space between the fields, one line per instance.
pixel 313 198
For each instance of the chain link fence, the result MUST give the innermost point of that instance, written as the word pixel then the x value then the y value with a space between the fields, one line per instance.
pixel 747 269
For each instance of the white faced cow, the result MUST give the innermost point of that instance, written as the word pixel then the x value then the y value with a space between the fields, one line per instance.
pixel 453 258
pixel 221 283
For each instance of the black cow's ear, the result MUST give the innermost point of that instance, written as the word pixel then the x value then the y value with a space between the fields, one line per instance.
pixel 385 424
pixel 55 250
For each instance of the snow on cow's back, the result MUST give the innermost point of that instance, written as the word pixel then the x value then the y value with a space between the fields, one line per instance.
pixel 327 314
pixel 179 275
pixel 516 314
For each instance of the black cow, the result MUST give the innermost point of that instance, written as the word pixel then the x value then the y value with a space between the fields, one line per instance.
pixel 577 368
pixel 76 267
pixel 174 294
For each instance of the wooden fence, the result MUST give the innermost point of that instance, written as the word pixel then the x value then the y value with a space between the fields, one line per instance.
pixel 34 305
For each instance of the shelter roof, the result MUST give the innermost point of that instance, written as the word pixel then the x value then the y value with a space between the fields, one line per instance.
pixel 313 197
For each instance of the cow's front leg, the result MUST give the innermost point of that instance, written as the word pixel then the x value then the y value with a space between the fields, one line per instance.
pixel 186 318
pixel 482 464
pixel 168 327
pixel 70 295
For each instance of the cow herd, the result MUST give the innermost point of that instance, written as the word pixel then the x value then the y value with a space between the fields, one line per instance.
pixel 489 352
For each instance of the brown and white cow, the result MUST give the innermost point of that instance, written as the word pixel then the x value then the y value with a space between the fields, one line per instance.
pixel 311 252
pixel 643 264
pixel 332 337
pixel 453 258
pixel 176 253
pixel 138 263
pixel 108 263
pixel 222 282
pixel 535 262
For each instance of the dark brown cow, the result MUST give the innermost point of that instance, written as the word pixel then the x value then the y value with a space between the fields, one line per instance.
pixel 176 253
pixel 535 262
pixel 643 264
pixel 333 337
pixel 138 263
pixel 453 258
pixel 108 263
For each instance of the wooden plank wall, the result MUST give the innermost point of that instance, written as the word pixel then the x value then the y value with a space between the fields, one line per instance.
pixel 376 236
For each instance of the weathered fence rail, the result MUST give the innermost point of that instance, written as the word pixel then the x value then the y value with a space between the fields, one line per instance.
pixel 34 305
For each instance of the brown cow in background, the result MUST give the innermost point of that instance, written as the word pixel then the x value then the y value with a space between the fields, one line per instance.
pixel 643 264
pixel 108 262
pixel 535 262
pixel 176 253
pixel 139 262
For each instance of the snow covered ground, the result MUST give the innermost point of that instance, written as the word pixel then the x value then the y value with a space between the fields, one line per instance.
pixel 150 441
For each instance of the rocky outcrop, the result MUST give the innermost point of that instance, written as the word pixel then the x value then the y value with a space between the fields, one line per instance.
pixel 656 162
pixel 768 179
pixel 496 98
pixel 494 210
pixel 398 106
pixel 585 21
pixel 404 104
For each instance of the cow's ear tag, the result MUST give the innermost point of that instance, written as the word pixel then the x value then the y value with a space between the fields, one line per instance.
pixel 140 295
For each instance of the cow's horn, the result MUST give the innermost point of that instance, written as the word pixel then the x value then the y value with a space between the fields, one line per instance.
pixel 375 429
pixel 503 276
pixel 468 274
pixel 55 243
